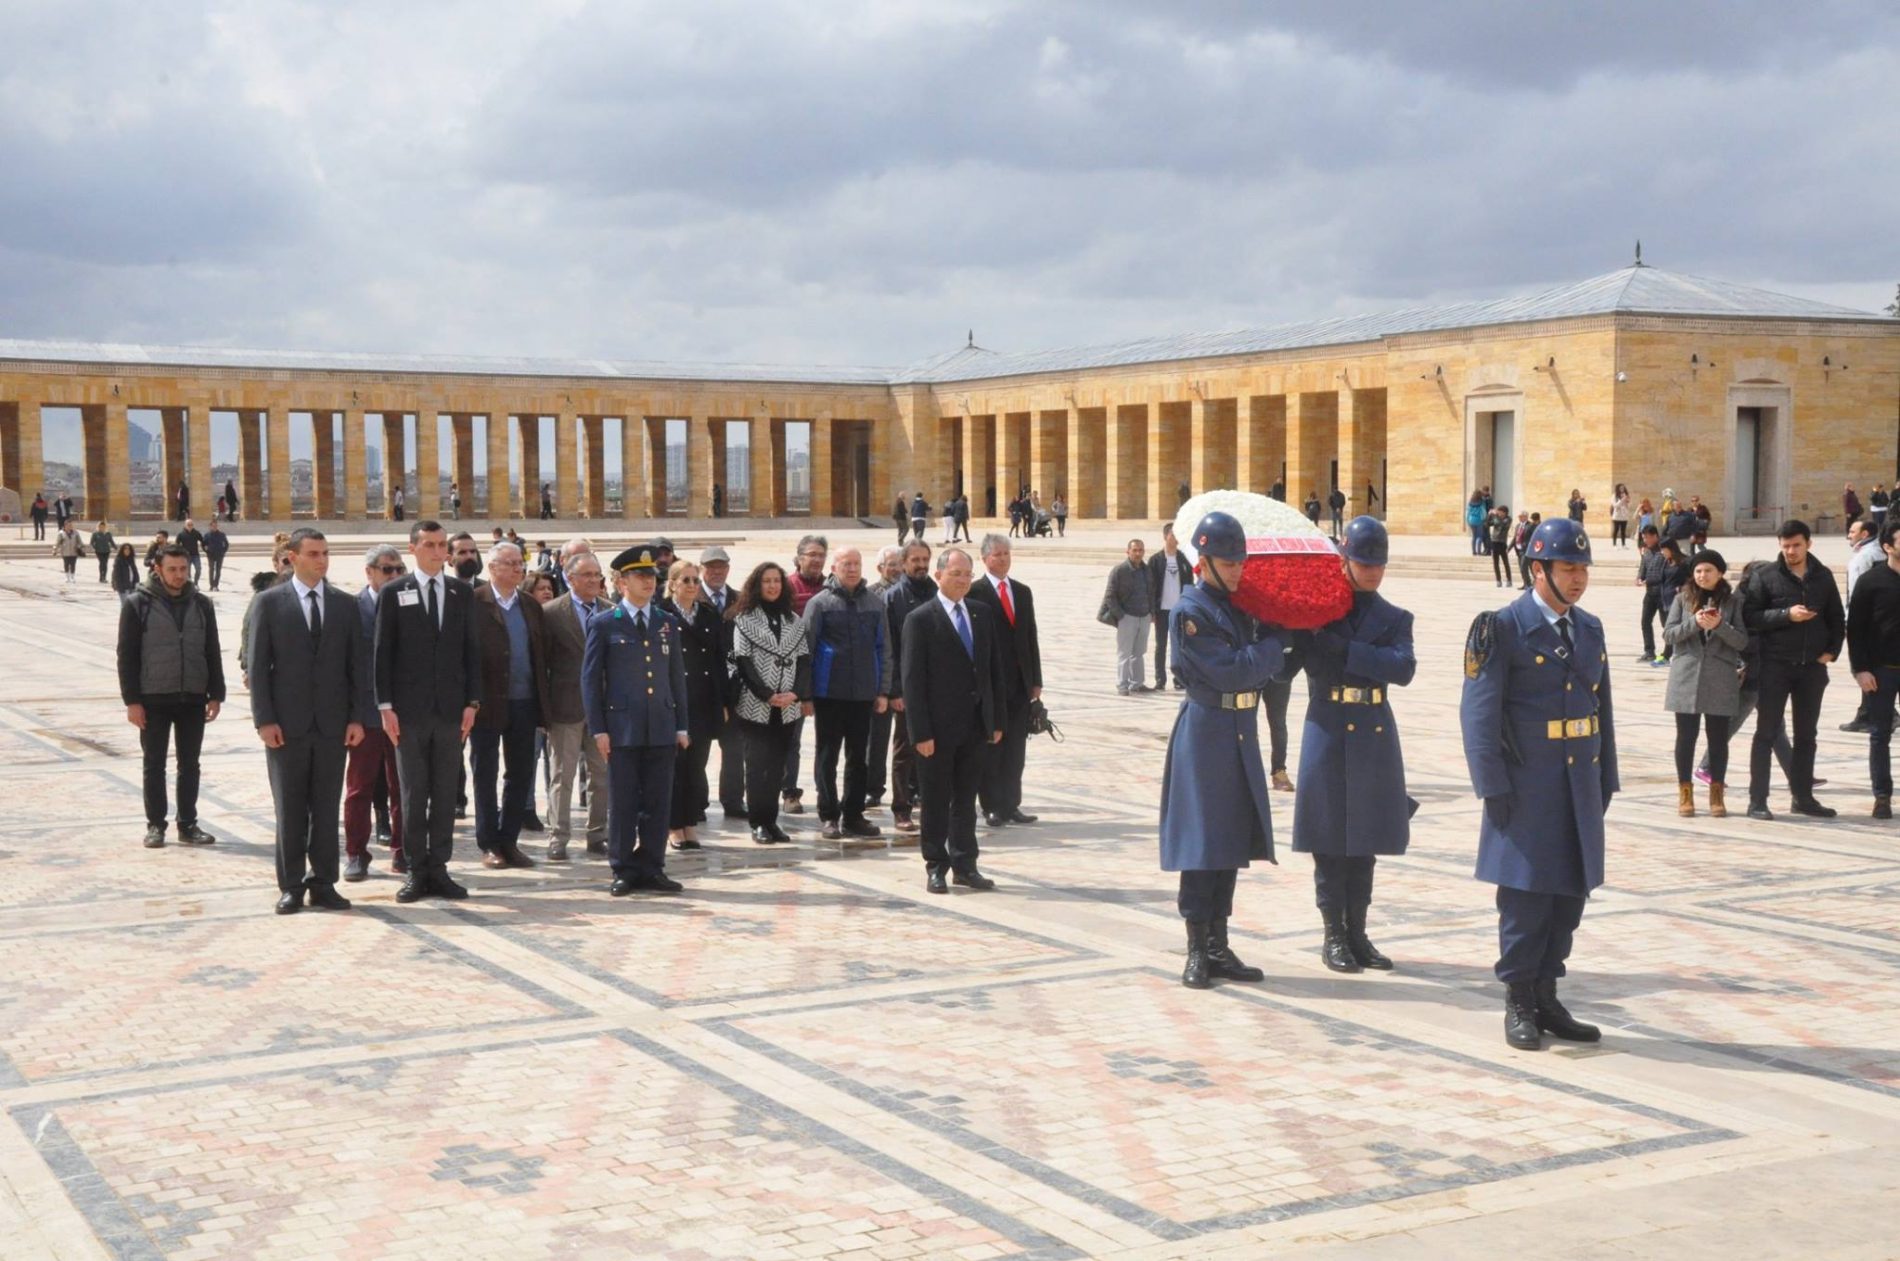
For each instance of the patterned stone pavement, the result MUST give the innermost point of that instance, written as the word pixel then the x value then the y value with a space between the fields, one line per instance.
pixel 806 1056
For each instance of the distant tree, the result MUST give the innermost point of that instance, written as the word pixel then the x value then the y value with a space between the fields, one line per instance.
pixel 1893 308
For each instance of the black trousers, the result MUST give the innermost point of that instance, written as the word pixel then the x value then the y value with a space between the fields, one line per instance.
pixel 105 560
pixel 732 768
pixel 217 569
pixel 1161 617
pixel 1002 788
pixel 1652 612
pixel 1342 882
pixel 788 777
pixel 842 725
pixel 641 779
pixel 903 529
pixel 429 766
pixel 508 751
pixel 904 761
pixel 949 779
pixel 306 785
pixel 1207 895
pixel 764 756
pixel 690 792
pixel 1619 533
pixel 1782 683
pixel 877 755
pixel 1878 708
pixel 164 719
pixel 1535 932
pixel 1277 694
pixel 1500 564
pixel 1718 726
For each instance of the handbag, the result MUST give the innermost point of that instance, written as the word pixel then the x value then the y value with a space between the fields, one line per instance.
pixel 1107 614
pixel 1041 724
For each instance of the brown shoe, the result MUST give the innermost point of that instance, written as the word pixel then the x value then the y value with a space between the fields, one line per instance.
pixel 1718 809
pixel 513 857
pixel 1685 800
pixel 1281 784
pixel 904 823
pixel 493 858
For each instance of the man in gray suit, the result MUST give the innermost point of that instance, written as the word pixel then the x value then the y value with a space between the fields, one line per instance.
pixel 307 656
pixel 567 618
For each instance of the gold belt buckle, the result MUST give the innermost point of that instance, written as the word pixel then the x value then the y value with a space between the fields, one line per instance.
pixel 1358 695
pixel 1245 700
pixel 1572 728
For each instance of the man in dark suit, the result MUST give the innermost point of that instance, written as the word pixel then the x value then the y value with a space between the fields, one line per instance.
pixel 953 690
pixel 429 689
pixel 1014 609
pixel 715 568
pixel 514 691
pixel 374 759
pixel 307 655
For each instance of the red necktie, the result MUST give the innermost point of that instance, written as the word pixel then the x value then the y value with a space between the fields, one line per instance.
pixel 1009 605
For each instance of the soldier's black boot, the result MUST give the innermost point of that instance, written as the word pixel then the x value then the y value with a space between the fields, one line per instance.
pixel 1222 962
pixel 1198 974
pixel 1520 1017
pixel 1555 1019
pixel 1362 948
pixel 1336 950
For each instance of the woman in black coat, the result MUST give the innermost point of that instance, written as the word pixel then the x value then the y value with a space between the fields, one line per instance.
pixel 701 642
pixel 125 571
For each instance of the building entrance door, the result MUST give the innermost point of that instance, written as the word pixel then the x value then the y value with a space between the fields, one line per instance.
pixel 1503 457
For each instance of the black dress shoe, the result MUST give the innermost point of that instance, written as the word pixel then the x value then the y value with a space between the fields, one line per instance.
pixel 443 887
pixel 1883 807
pixel 995 820
pixel 973 880
pixel 763 836
pixel 1555 1019
pixel 1520 1017
pixel 1858 727
pixel 325 897
pixel 513 856
pixel 621 886
pixel 192 834
pixel 779 835
pixel 659 883
pixel 1017 816
pixel 155 837
pixel 596 847
pixel 1335 948
pixel 1757 810
pixel 686 842
pixel 934 881
pixel 414 889
pixel 1812 809
pixel 399 862
pixel 290 903
pixel 533 824
pixel 862 827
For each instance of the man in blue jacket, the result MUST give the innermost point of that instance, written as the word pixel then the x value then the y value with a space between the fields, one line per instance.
pixel 851 667
pixel 1541 748
pixel 1352 805
pixel 1215 817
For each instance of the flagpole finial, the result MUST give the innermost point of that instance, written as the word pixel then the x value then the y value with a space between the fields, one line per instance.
pixel 1639 251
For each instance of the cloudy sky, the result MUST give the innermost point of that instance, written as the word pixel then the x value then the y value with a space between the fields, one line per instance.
pixel 862 182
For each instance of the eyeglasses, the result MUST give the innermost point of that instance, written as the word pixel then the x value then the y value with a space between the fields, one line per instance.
pixel 390 569
pixel 686 582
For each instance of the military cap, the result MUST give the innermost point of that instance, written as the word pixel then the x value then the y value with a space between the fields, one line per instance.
pixel 641 558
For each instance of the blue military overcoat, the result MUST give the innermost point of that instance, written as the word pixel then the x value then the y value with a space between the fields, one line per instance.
pixel 1560 776
pixel 634 687
pixel 1214 805
pixel 1351 800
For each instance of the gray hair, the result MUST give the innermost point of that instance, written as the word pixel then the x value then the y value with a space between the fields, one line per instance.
pixel 495 551
pixel 994 542
pixel 943 558
pixel 889 552
pixel 809 539
pixel 577 546
pixel 379 553
pixel 574 561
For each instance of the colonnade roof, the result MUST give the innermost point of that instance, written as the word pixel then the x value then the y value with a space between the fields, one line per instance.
pixel 1636 290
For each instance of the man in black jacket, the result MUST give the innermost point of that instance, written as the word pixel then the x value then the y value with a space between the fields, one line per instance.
pixel 904 596
pixel 1014 609
pixel 1794 610
pixel 171 678
pixel 1169 574
pixel 1873 651
pixel 428 689
pixel 953 698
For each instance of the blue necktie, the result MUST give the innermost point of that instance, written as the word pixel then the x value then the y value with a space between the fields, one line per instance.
pixel 963 633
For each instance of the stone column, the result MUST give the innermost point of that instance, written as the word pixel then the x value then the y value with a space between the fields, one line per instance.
pixel 322 464
pixel 355 466
pixel 1128 461
pixel 501 492
pixel 1168 434
pixel 395 461
pixel 204 493
pixel 1312 439
pixel 1211 444
pixel 767 466
pixel 823 467
pixel 428 489
pixel 464 425
pixel 1011 441
pixel 276 422
pixel 701 472
pixel 529 430
pixel 656 466
pixel 632 465
pixel 716 460
pixel 172 431
pixel 1088 459
pixel 1361 446
pixel 979 454
pixel 1260 442
pixel 251 489
pixel 1048 454
pixel 567 470
pixel 594 466
pixel 116 456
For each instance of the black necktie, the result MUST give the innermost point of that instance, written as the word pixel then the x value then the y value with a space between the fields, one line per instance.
pixel 435 614
pixel 1563 629
pixel 316 617
pixel 640 624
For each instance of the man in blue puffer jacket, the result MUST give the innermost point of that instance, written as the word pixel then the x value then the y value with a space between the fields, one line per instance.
pixel 851 665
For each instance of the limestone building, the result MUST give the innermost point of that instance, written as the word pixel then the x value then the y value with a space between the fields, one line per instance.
pixel 1762 403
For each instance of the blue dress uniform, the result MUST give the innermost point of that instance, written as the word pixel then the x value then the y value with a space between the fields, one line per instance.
pixel 633 683
pixel 1352 805
pixel 1541 746
pixel 1215 816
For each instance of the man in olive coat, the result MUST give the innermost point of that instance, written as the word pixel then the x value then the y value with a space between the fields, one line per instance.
pixel 1352 805
pixel 1541 747
pixel 1215 816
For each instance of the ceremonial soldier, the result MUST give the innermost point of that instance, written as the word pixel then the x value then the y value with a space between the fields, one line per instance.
pixel 1352 805
pixel 1542 752
pixel 1214 813
pixel 633 683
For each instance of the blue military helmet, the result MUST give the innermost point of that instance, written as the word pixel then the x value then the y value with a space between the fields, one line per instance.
pixel 1220 535
pixel 1560 539
pixel 1365 542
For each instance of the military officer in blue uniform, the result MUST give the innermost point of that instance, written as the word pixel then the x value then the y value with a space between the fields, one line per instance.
pixel 1352 805
pixel 1215 817
pixel 1541 747
pixel 633 684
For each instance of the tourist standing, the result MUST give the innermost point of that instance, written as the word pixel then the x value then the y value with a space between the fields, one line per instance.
pixel 125 571
pixel 1652 567
pixel 1850 503
pixel 192 539
pixel 1497 537
pixel 103 545
pixel 851 671
pixel 1793 608
pixel 963 519
pixel 1336 500
pixel 38 513
pixel 171 678
pixel 217 545
pixel 1475 512
pixel 181 501
pixel 1877 504
pixel 900 517
pixel 769 653
pixel 1873 652
pixel 1577 505
pixel 1704 628
pixel 919 514
pixel 398 503
pixel 68 546
pixel 1128 605
pixel 1169 574
pixel 230 500
pixel 1620 516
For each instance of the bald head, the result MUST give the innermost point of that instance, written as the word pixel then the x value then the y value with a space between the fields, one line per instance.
pixel 847 566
